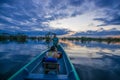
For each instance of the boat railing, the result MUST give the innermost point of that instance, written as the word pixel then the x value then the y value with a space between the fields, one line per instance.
pixel 36 66
pixel 67 70
pixel 72 74
pixel 28 68
pixel 35 63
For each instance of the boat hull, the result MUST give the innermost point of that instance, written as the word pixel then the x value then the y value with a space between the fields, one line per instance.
pixel 34 69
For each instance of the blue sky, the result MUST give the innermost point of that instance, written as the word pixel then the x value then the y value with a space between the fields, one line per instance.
pixel 60 16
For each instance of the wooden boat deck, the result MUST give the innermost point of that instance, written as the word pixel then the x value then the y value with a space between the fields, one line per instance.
pixel 46 77
pixel 38 72
pixel 34 69
pixel 39 69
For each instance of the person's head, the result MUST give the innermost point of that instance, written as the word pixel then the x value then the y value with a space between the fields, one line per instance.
pixel 54 35
pixel 53 48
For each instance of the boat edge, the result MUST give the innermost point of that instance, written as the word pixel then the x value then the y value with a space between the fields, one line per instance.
pixel 74 70
pixel 15 74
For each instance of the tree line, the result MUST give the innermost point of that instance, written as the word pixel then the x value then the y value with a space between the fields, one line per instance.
pixel 89 39
pixel 21 38
pixel 24 38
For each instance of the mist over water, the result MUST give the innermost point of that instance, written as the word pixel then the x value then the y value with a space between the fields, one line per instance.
pixel 93 60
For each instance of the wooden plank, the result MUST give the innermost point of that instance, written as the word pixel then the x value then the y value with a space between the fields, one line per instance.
pixel 46 77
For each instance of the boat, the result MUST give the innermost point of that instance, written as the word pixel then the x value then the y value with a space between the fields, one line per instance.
pixel 34 69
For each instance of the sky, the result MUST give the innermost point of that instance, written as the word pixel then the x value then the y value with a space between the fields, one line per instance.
pixel 60 16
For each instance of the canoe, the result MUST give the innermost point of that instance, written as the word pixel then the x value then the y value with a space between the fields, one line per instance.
pixel 34 69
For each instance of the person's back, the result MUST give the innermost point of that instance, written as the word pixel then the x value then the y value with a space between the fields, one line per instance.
pixel 55 41
pixel 50 62
pixel 51 55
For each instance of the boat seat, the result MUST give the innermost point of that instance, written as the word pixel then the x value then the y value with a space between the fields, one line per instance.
pixel 33 76
pixel 50 66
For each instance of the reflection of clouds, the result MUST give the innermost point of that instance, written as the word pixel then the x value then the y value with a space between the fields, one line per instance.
pixel 7 51
pixel 75 50
pixel 83 52
pixel 39 47
pixel 96 58
pixel 117 43
pixel 80 51
pixel 105 50
pixel 117 52
pixel 68 43
pixel 100 63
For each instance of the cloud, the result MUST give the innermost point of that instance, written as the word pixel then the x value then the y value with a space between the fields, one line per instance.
pixel 106 3
pixel 76 2
pixel 111 10
pixel 36 14
pixel 114 21
pixel 99 33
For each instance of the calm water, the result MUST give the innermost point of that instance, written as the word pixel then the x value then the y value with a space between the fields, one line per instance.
pixel 93 60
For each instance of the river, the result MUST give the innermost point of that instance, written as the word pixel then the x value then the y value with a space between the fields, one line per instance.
pixel 92 60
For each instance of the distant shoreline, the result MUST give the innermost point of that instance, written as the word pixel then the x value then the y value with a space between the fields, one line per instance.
pixel 23 38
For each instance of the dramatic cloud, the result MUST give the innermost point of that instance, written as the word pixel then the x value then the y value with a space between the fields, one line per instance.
pixel 37 15
pixel 99 33
pixel 111 9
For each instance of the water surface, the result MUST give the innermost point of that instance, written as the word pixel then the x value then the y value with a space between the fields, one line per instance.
pixel 14 55
pixel 92 60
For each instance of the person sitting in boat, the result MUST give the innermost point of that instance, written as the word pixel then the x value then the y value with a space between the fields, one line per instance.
pixel 55 40
pixel 51 55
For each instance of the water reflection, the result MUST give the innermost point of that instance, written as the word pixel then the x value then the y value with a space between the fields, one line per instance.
pixel 95 61
pixel 13 56
pixel 92 60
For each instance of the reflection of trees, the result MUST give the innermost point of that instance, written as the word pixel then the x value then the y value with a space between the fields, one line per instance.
pixel 18 38
pixel 89 39
pixel 4 37
pixel 36 38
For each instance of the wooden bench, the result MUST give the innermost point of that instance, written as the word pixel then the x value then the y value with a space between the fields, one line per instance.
pixel 50 66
